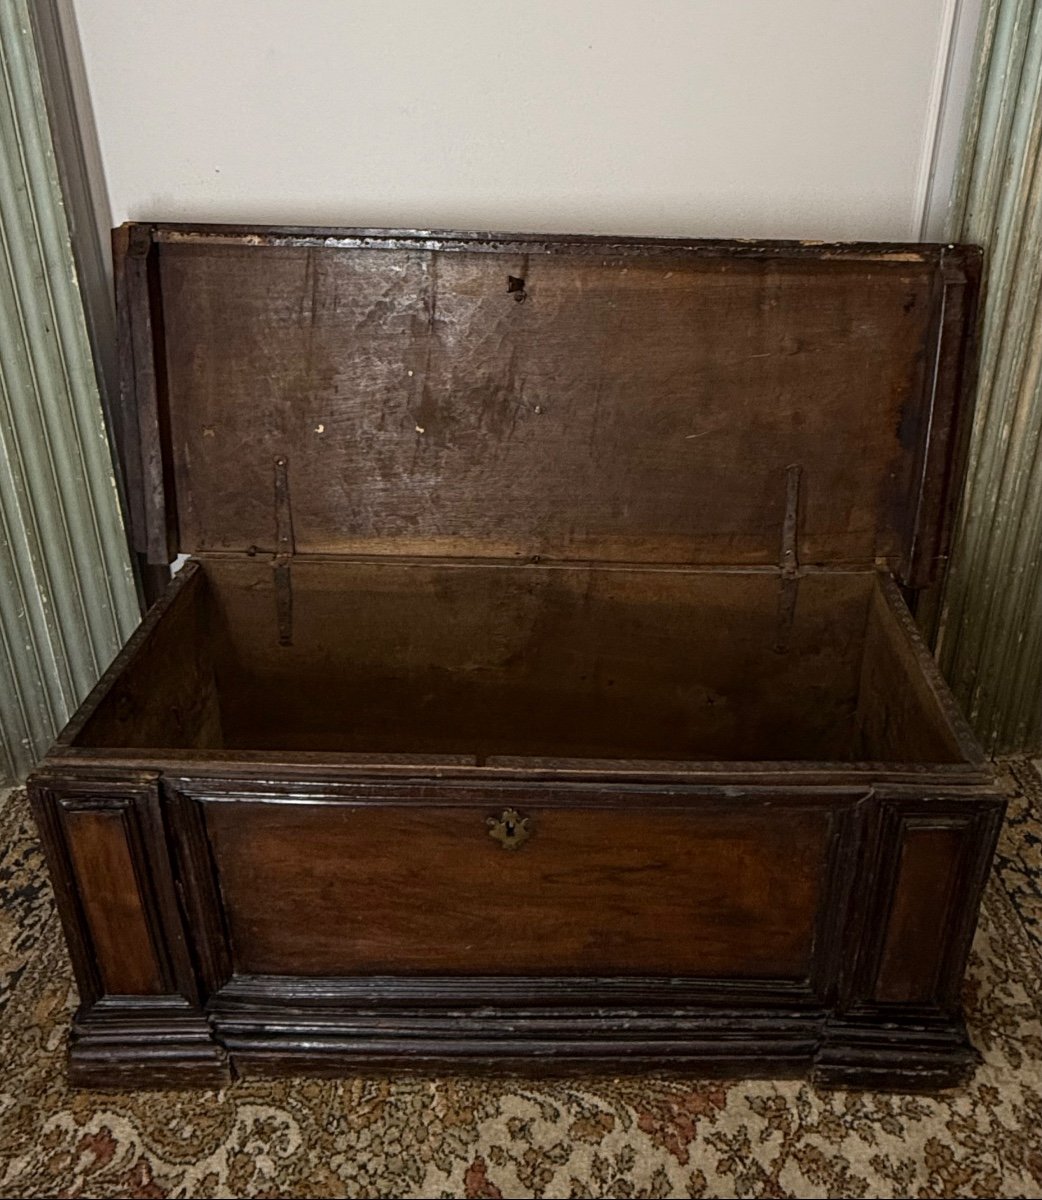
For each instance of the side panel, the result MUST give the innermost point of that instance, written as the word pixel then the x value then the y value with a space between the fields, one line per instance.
pixel 915 937
pixel 925 883
pixel 100 841
pixel 160 691
pixel 920 887
pixel 140 1022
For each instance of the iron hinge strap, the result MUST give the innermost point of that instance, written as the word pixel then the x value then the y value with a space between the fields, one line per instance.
pixel 285 548
pixel 789 563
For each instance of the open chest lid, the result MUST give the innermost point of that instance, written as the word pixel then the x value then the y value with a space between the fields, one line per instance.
pixel 368 392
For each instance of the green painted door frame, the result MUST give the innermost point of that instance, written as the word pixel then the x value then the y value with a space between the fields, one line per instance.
pixel 990 630
pixel 67 594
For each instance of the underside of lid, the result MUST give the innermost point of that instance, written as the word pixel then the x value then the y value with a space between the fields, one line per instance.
pixel 347 392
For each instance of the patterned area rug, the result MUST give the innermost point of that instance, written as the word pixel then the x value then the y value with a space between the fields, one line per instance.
pixel 458 1137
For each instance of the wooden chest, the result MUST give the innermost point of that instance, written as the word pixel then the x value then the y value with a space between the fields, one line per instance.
pixel 540 691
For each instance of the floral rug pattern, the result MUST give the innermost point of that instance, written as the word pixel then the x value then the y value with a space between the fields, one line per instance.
pixel 463 1137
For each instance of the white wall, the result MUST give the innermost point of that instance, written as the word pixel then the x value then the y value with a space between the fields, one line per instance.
pixel 752 118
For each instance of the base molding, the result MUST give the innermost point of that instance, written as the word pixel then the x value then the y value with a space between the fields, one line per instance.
pixel 145 1043
pixel 562 1051
pixel 279 1035
pixel 884 1056
pixel 154 1043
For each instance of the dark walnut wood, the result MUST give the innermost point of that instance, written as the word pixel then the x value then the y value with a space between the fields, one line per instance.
pixel 701 890
pixel 540 693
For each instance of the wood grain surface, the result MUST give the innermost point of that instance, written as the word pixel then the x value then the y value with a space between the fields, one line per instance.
pixel 408 889
pixel 633 406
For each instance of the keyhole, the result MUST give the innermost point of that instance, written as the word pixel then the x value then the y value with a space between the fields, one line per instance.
pixel 516 287
pixel 510 829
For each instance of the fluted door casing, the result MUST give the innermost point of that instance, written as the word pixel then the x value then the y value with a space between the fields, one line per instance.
pixel 991 627
pixel 67 597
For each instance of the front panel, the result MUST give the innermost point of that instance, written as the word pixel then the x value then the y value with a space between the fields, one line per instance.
pixel 507 883
pixel 321 926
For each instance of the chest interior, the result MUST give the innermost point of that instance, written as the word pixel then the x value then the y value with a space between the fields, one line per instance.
pixel 481 663
pixel 545 499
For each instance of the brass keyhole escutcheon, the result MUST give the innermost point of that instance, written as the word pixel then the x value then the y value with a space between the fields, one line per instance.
pixel 510 829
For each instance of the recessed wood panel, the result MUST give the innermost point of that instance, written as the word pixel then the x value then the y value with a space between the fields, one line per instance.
pixel 111 899
pixel 332 889
pixel 918 931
